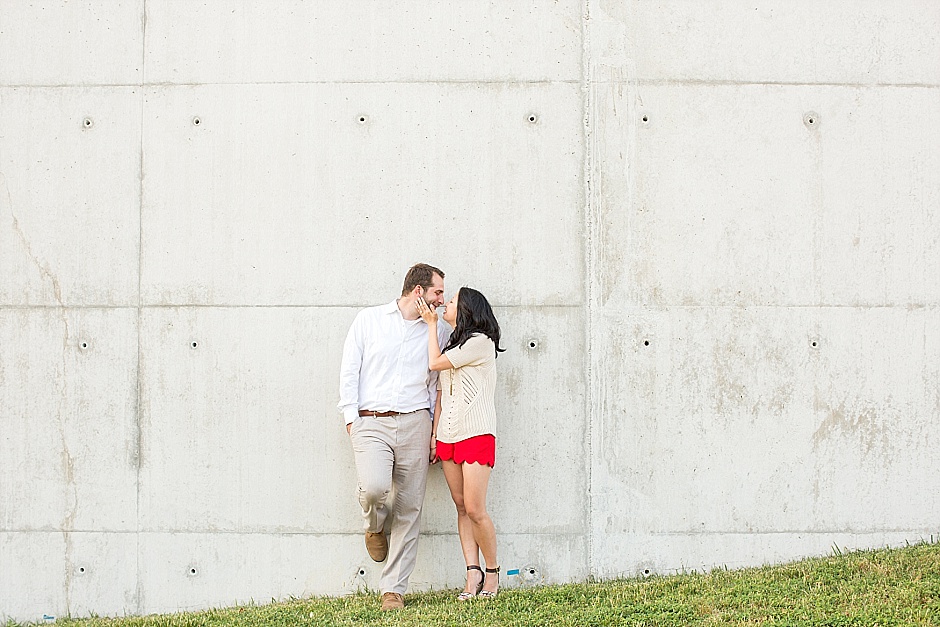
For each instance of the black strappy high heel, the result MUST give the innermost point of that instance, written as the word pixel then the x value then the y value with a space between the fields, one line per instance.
pixel 486 594
pixel 466 596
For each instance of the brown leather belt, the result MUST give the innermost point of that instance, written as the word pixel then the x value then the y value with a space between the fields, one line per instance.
pixel 378 414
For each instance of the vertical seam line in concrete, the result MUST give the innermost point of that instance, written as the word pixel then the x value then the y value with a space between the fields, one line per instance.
pixel 588 264
pixel 140 256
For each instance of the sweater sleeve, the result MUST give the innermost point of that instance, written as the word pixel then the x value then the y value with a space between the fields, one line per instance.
pixel 476 350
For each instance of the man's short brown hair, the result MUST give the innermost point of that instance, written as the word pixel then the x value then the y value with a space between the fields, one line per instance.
pixel 420 274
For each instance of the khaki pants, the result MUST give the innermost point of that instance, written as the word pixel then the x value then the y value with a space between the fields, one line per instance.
pixel 392 452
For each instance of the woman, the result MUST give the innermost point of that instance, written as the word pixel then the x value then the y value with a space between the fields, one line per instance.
pixel 463 434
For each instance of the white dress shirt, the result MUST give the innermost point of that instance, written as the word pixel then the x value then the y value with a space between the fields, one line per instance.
pixel 385 363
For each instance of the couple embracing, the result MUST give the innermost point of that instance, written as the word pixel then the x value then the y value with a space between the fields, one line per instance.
pixel 413 393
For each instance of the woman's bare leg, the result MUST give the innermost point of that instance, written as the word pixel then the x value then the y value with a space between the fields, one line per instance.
pixel 453 473
pixel 476 478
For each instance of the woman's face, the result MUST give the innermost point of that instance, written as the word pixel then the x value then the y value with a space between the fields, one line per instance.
pixel 450 311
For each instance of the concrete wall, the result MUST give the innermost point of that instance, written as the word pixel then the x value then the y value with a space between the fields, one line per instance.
pixel 711 230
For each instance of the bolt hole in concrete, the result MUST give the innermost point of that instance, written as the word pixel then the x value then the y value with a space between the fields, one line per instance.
pixel 529 575
pixel 193 344
pixel 362 119
pixel 533 118
pixel 362 572
pixel 197 121
pixel 646 342
pixel 645 118
pixel 533 344
pixel 88 123
pixel 192 572
pixel 81 570
pixel 83 345
pixel 811 119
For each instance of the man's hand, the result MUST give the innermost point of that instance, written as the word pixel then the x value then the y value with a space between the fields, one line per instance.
pixel 432 456
pixel 348 427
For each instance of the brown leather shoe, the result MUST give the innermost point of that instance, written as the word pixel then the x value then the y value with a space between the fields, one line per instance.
pixel 377 546
pixel 392 601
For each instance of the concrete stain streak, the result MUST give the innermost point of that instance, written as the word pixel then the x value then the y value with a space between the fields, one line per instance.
pixel 863 425
pixel 66 460
pixel 138 402
pixel 587 172
pixel 43 270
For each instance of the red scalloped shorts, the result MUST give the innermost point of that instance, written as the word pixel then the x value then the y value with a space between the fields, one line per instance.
pixel 480 449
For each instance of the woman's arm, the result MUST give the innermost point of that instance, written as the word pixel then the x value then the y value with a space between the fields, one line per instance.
pixel 436 361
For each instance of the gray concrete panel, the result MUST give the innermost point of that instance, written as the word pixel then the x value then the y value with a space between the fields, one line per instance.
pixel 641 555
pixel 731 195
pixel 252 383
pixel 69 196
pixel 876 407
pixel 278 186
pixel 767 420
pixel 801 41
pixel 877 230
pixel 32 579
pixel 296 41
pixel 57 42
pixel 188 571
pixel 241 432
pixel 100 574
pixel 68 458
pixel 542 439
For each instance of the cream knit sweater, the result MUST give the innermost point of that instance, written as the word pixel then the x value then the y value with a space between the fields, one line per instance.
pixel 468 391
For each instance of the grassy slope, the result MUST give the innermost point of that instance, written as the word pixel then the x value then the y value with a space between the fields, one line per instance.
pixel 883 587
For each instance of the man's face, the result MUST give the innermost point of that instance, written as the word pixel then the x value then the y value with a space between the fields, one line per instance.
pixel 434 295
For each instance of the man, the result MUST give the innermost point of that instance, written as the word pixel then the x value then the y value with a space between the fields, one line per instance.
pixel 387 396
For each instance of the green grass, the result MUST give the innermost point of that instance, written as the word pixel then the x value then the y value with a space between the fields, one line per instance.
pixel 865 588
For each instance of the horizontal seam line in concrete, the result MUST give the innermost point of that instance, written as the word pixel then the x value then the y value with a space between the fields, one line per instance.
pixel 324 82
pixel 629 81
pixel 731 83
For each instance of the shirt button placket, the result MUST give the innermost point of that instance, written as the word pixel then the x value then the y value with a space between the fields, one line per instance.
pixel 401 348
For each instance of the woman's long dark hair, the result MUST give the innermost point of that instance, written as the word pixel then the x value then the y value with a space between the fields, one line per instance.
pixel 474 315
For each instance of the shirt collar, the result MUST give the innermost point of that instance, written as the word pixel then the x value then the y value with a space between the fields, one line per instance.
pixel 392 307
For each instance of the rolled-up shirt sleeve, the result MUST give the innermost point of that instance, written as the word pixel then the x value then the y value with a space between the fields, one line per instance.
pixel 349 371
pixel 432 390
